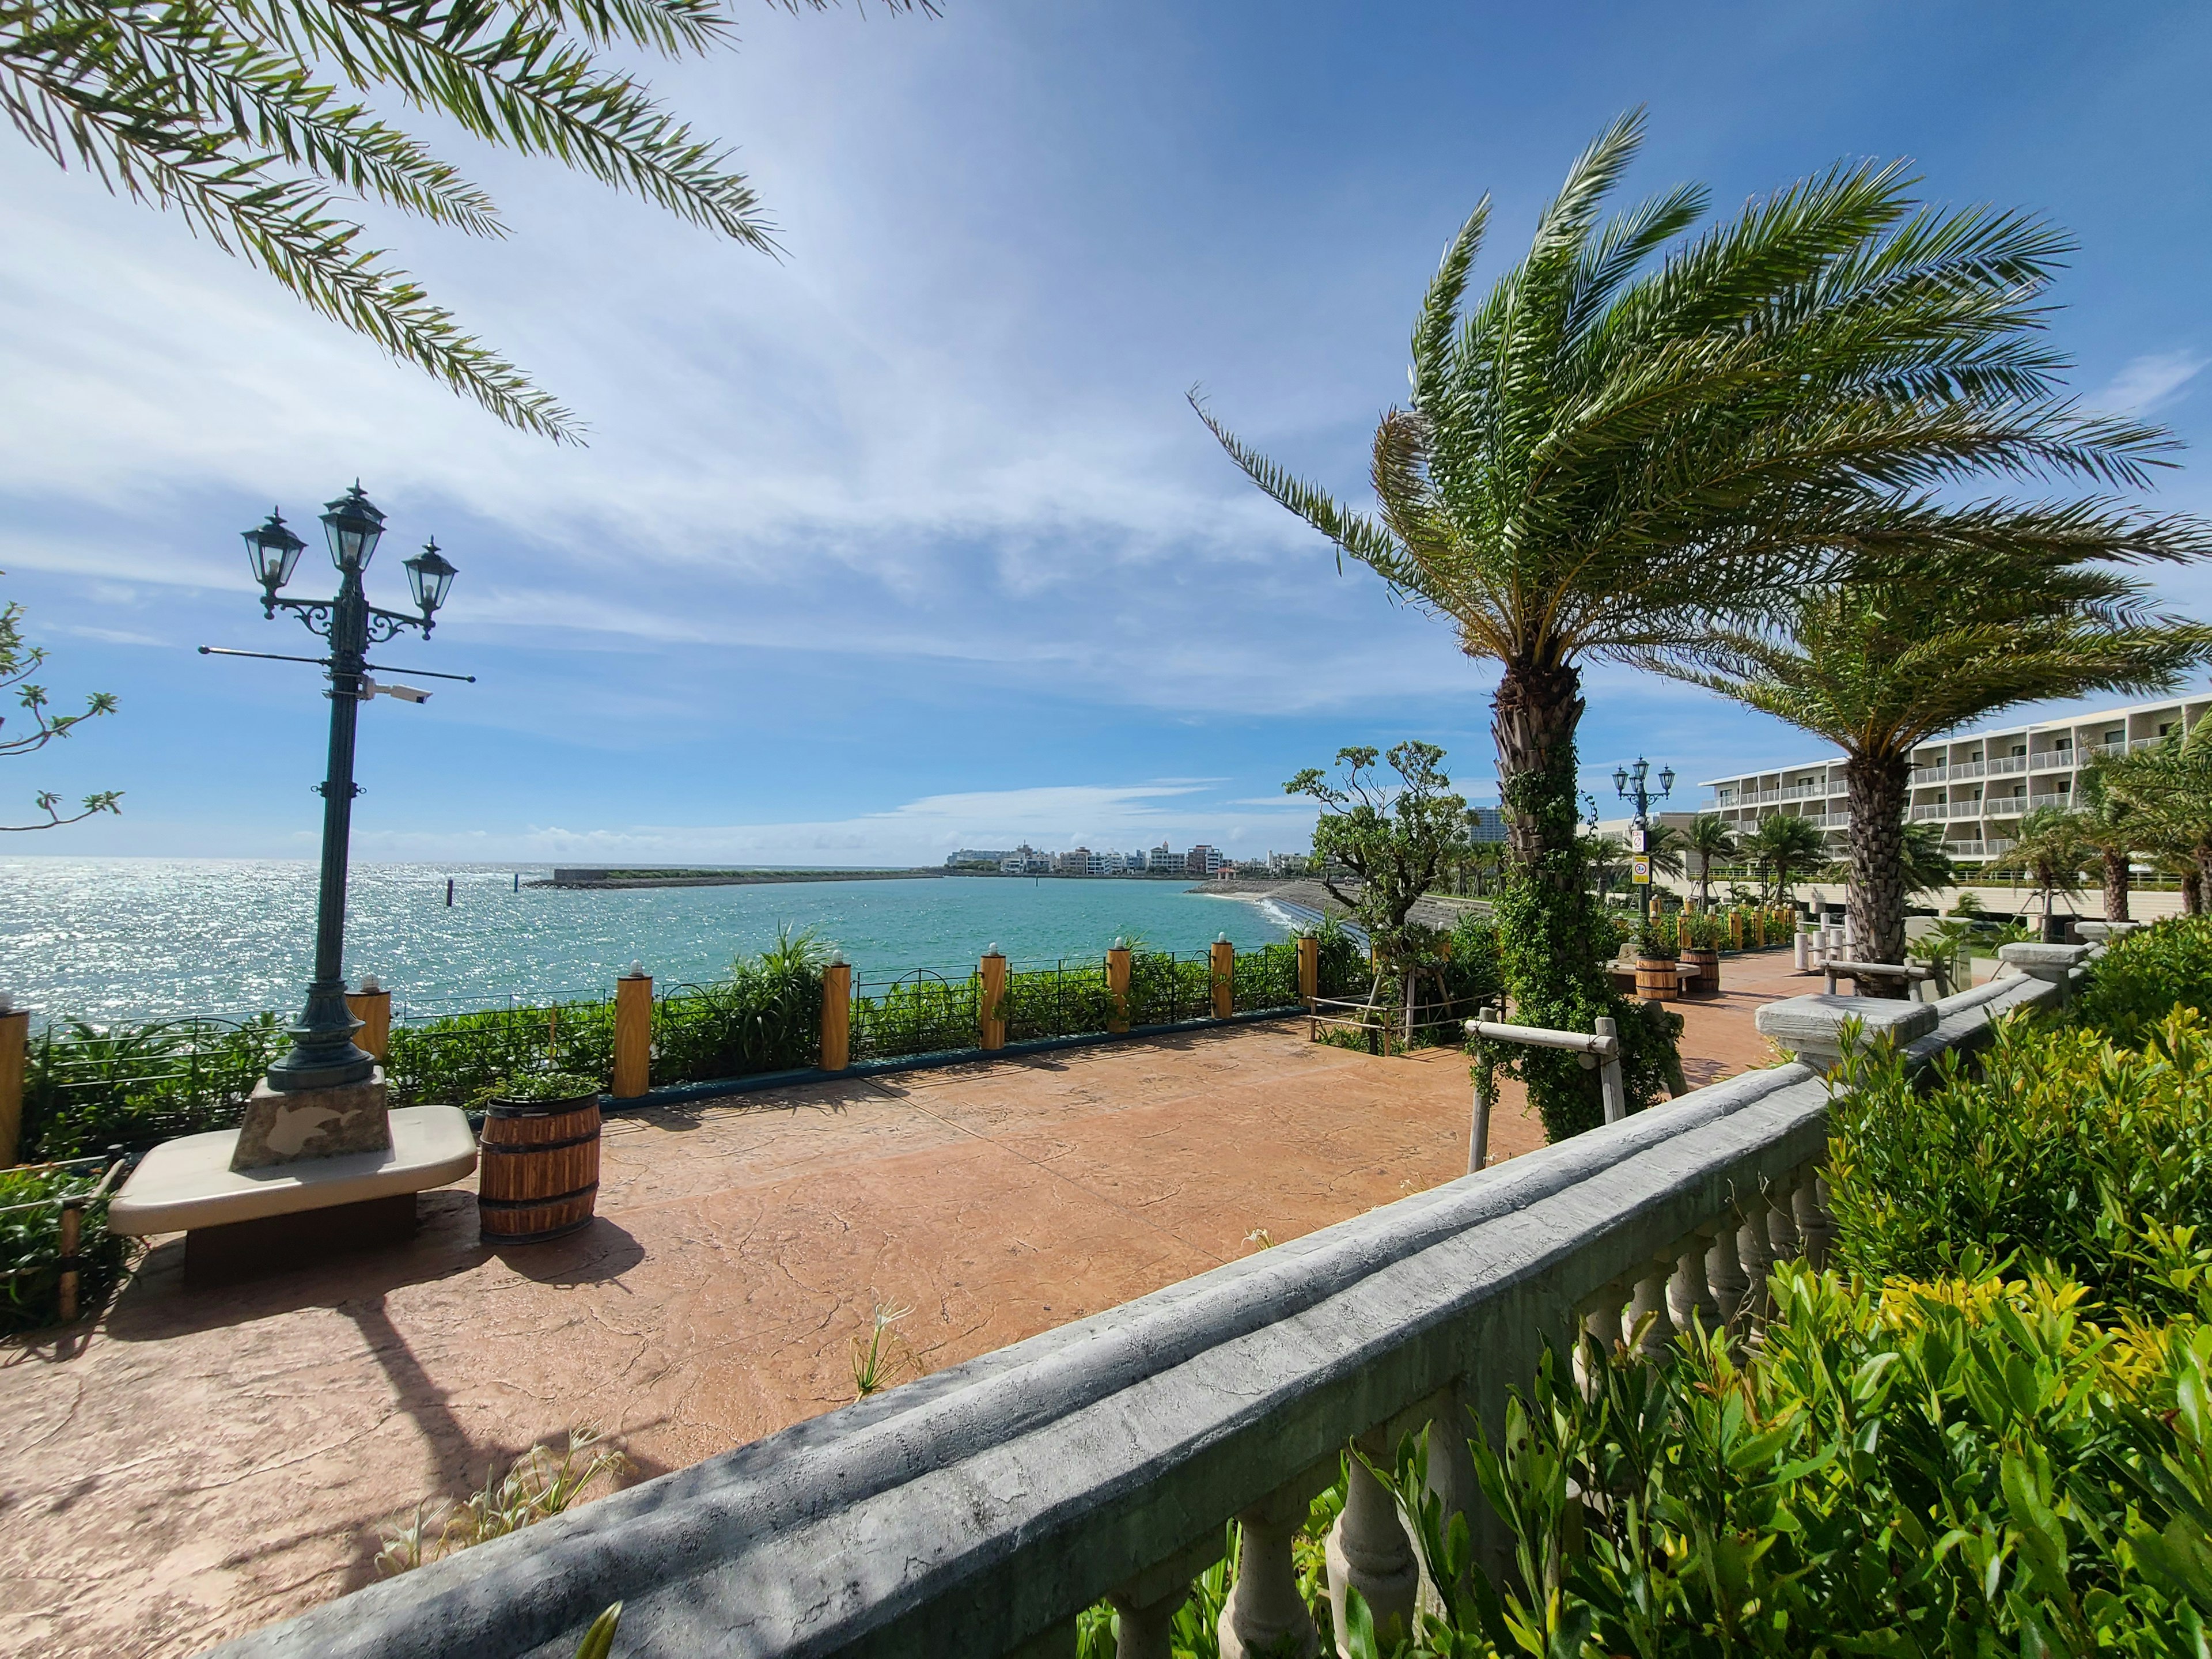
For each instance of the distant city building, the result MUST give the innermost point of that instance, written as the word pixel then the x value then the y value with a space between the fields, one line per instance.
pixel 1109 864
pixel 1202 860
pixel 972 855
pixel 1160 861
pixel 1076 861
pixel 1288 864
pixel 1485 823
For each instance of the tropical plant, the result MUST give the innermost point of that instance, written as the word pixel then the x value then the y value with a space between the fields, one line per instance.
pixel 1396 838
pixel 31 1243
pixel 1710 838
pixel 1633 439
pixel 1664 846
pixel 19 660
pixel 1924 865
pixel 2170 784
pixel 2048 856
pixel 2111 829
pixel 1658 941
pixel 2139 979
pixel 244 120
pixel 1782 848
pixel 1879 666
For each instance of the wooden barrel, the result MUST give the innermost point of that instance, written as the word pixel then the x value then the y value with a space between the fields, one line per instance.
pixel 1707 964
pixel 537 1168
pixel 1654 979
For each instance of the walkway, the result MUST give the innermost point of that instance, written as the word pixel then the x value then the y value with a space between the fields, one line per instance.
pixel 205 1461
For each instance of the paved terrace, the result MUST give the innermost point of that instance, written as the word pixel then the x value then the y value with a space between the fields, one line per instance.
pixel 206 1461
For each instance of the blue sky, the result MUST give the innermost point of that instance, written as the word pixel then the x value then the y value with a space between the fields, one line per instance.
pixel 910 541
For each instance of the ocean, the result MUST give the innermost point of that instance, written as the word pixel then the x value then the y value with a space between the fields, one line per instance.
pixel 103 939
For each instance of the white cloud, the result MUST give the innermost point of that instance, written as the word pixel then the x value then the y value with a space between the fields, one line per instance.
pixel 2148 382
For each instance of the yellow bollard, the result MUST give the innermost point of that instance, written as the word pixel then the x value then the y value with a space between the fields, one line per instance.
pixel 991 997
pixel 1117 985
pixel 633 1034
pixel 372 1006
pixel 1682 930
pixel 1308 968
pixel 1735 930
pixel 836 1017
pixel 1225 979
pixel 14 1038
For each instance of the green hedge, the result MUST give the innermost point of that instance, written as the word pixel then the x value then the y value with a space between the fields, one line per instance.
pixel 2141 978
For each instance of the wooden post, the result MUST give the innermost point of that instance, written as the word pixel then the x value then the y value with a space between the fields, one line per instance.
pixel 991 999
pixel 633 1034
pixel 72 1235
pixel 372 1006
pixel 14 1038
pixel 1117 985
pixel 1682 930
pixel 1309 970
pixel 837 1016
pixel 1225 979
pixel 1735 930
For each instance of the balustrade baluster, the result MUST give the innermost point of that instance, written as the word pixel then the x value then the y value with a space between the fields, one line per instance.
pixel 1754 1249
pixel 1266 1616
pixel 1692 1300
pixel 1725 1275
pixel 1652 1301
pixel 1368 1550
pixel 1814 1225
pixel 1145 1631
pixel 1782 1218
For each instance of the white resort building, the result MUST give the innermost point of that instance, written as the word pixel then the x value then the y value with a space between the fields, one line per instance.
pixel 1977 786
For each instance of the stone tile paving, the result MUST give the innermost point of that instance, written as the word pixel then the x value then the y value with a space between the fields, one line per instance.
pixel 203 1461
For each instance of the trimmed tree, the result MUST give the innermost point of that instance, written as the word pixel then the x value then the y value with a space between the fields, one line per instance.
pixel 1633 438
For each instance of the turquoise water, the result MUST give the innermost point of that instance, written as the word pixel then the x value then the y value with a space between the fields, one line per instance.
pixel 145 938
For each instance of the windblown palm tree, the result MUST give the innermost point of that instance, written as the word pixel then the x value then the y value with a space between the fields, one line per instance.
pixel 2171 786
pixel 1924 862
pixel 238 117
pixel 1634 436
pixel 1664 846
pixel 1784 848
pixel 2049 857
pixel 1710 837
pixel 2113 830
pixel 1879 666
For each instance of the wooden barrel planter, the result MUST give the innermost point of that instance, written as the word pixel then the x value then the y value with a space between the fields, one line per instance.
pixel 538 1168
pixel 1654 979
pixel 1707 964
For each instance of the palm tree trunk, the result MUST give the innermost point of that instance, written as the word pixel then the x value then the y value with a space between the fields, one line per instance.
pixel 1877 786
pixel 2116 885
pixel 2192 893
pixel 2203 874
pixel 1533 715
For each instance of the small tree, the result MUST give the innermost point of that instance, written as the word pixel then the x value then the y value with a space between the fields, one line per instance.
pixel 2049 855
pixel 19 660
pixel 1397 840
pixel 2114 831
pixel 1709 838
pixel 1784 848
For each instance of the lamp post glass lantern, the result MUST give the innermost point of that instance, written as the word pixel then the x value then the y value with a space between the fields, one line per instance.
pixel 1633 784
pixel 323 1053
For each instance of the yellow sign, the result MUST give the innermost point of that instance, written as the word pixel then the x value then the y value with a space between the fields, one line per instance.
pixel 1642 867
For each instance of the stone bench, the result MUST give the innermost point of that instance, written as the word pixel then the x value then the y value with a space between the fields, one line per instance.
pixel 233 1218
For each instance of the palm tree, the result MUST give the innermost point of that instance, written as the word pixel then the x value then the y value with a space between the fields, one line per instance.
pixel 226 114
pixel 1710 837
pixel 1664 846
pixel 2171 786
pixel 2113 830
pixel 2049 854
pixel 1878 666
pixel 1782 848
pixel 1633 437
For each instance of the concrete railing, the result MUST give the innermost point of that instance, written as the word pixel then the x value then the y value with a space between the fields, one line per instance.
pixel 976 1512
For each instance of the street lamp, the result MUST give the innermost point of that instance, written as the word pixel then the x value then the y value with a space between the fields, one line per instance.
pixel 1632 783
pixel 323 1054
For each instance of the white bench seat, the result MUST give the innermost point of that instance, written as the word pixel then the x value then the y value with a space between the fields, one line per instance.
pixel 188 1182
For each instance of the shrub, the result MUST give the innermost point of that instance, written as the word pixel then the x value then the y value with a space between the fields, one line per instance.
pixel 543 1088
pixel 2142 977
pixel 31 1242
pixel 86 1087
pixel 1657 940
pixel 2058 1147
pixel 1971 1467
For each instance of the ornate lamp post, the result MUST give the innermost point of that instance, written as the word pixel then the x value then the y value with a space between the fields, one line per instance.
pixel 1632 783
pixel 323 1053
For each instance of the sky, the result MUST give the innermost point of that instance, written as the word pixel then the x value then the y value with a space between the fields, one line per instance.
pixel 910 541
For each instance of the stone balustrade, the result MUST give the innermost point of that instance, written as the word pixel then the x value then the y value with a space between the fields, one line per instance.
pixel 977 1511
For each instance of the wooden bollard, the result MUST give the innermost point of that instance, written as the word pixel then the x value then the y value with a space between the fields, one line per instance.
pixel 1309 970
pixel 837 1016
pixel 991 999
pixel 15 1039
pixel 1117 985
pixel 1682 931
pixel 1224 978
pixel 1735 930
pixel 372 1006
pixel 633 1033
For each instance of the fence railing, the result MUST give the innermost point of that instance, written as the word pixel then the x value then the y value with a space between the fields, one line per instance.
pixel 978 1511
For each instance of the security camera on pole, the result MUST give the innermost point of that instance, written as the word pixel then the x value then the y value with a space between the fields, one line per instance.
pixel 1632 783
